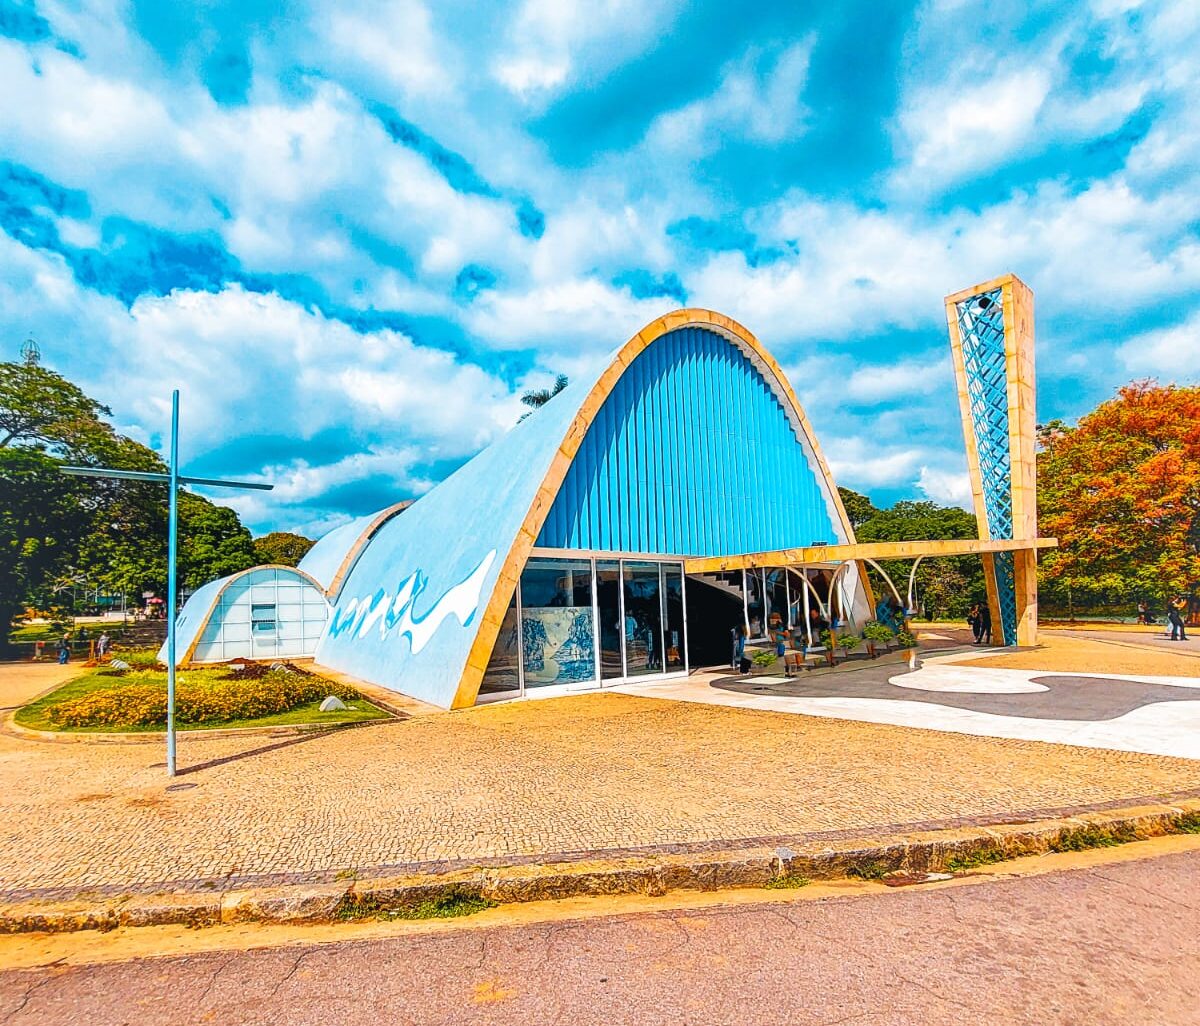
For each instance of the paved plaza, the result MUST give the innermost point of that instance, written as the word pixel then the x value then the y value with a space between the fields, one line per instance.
pixel 998 696
pixel 594 774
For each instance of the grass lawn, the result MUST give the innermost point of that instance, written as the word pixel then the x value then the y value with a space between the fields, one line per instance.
pixel 34 714
pixel 34 632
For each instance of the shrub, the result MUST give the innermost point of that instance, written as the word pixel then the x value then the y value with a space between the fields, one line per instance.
pixel 140 658
pixel 907 639
pixel 764 659
pixel 876 631
pixel 143 701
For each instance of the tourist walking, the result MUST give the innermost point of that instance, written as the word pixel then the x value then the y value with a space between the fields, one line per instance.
pixel 1175 610
pixel 64 650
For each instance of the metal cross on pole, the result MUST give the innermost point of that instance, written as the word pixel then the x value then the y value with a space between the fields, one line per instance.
pixel 173 479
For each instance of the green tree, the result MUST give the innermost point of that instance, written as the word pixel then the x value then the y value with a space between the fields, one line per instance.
pixel 110 532
pixel 282 548
pixel 946 585
pixel 859 508
pixel 43 516
pixel 38 405
pixel 212 541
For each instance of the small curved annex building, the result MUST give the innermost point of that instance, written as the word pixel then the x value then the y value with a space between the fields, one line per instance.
pixel 266 612
pixel 592 544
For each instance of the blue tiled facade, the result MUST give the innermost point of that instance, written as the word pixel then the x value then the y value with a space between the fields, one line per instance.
pixel 692 454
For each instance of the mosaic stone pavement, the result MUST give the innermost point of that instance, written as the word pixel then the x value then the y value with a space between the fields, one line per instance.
pixel 598 773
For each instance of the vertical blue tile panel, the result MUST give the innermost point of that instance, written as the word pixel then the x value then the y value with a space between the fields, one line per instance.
pixel 692 454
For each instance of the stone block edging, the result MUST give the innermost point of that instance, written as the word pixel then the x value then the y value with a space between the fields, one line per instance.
pixel 751 866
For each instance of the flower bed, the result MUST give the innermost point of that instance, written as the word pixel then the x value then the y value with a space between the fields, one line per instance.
pixel 139 699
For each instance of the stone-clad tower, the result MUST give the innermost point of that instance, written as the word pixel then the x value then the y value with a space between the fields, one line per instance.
pixel 991 336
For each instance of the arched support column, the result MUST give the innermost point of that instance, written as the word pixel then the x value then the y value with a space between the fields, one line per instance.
pixel 912 580
pixel 884 574
pixel 837 581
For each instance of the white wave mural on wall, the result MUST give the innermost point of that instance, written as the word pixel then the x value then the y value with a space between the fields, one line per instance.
pixel 396 614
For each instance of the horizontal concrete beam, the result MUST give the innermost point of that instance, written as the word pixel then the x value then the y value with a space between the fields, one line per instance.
pixel 863 550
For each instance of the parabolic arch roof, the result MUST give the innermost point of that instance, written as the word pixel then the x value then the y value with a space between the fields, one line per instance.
pixel 422 595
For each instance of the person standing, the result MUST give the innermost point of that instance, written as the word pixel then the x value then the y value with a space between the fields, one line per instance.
pixel 973 622
pixel 64 650
pixel 102 644
pixel 738 634
pixel 985 624
pixel 1175 610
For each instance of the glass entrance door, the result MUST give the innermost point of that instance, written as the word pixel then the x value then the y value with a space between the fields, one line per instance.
pixel 673 637
pixel 643 619
pixel 608 607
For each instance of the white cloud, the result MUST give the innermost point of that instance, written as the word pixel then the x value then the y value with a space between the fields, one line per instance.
pixel 869 462
pixel 561 316
pixel 952 131
pixel 253 366
pixel 1169 354
pixel 528 75
pixel 1102 250
pixel 307 374
pixel 546 40
pixel 759 99
pixel 947 488
pixel 396 40
pixel 892 382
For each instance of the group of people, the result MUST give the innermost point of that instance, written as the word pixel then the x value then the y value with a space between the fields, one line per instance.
pixel 979 619
pixel 1177 608
pixel 786 639
pixel 103 645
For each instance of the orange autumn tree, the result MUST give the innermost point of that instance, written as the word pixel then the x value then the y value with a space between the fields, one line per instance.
pixel 1121 492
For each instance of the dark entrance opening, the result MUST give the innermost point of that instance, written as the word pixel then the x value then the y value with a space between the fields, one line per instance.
pixel 714 608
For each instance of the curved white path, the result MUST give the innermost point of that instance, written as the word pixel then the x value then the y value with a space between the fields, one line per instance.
pixel 1163 728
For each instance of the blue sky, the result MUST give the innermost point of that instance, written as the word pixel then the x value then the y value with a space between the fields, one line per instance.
pixel 353 233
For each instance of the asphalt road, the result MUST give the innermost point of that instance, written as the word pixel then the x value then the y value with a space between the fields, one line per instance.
pixel 1118 943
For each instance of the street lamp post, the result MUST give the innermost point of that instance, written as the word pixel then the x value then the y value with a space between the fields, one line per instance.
pixel 173 479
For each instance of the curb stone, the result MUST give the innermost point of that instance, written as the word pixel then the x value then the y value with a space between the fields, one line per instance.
pixel 923 852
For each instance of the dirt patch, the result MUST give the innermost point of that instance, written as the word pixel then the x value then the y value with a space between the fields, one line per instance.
pixel 1057 654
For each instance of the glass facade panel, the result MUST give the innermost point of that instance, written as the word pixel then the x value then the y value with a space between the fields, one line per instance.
pixel 673 602
pixel 549 633
pixel 504 668
pixel 557 639
pixel 643 619
pixel 608 601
